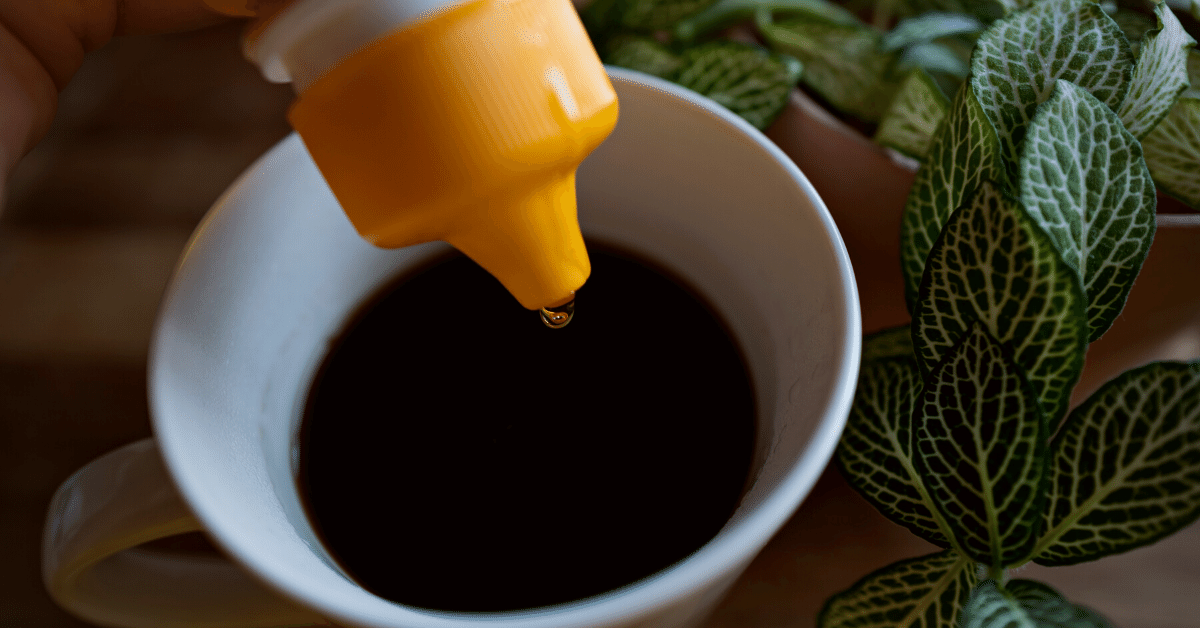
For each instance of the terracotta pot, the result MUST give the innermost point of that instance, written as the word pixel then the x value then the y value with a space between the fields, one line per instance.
pixel 865 187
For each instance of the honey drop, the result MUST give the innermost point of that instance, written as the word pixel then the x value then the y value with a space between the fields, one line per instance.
pixel 558 316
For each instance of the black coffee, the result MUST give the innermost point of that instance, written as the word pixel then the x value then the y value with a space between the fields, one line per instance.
pixel 488 463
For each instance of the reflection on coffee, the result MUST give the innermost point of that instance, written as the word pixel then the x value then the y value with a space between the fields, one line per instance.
pixel 492 464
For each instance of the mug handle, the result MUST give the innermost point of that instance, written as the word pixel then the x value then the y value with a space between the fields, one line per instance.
pixel 92 567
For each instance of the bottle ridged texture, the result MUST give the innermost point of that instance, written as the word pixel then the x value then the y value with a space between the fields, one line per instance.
pixel 478 107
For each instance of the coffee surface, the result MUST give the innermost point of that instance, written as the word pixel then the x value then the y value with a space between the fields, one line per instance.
pixel 487 463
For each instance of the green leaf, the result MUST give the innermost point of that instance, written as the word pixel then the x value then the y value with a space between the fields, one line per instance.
pixel 1173 152
pixel 1125 471
pixel 749 80
pixel 889 343
pixel 643 54
pixel 728 12
pixel 841 63
pixel 1193 66
pixel 915 113
pixel 991 10
pixel 964 152
pixel 1083 179
pixel 1025 604
pixel 653 15
pixel 984 10
pixel 1018 59
pixel 929 27
pixel 980 449
pixel 1160 76
pixel 933 57
pixel 875 452
pixel 925 592
pixel 600 18
pixel 994 266
pixel 1133 25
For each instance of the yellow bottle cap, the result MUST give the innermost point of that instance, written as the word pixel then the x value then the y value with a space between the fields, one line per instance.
pixel 467 127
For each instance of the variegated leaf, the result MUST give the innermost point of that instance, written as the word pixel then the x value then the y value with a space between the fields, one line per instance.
pixel 1007 7
pixel 1025 604
pixel 895 342
pixel 749 80
pixel 1173 152
pixel 1193 66
pixel 1160 75
pixel 652 15
pixel 980 449
pixel 925 592
pixel 963 153
pixel 841 63
pixel 933 56
pixel 916 112
pixel 1083 179
pixel 727 12
pixel 1019 58
pixel 875 452
pixel 928 27
pixel 1125 471
pixel 993 265
pixel 1133 25
pixel 643 54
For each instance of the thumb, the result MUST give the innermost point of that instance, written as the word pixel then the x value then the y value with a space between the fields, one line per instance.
pixel 43 42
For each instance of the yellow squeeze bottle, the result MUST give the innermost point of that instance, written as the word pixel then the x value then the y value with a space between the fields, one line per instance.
pixel 461 121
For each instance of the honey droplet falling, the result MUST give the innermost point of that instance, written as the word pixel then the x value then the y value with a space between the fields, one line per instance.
pixel 558 316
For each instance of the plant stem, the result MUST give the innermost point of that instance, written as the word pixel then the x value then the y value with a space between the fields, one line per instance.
pixel 998 574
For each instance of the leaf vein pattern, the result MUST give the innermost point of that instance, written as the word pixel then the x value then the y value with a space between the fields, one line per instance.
pixel 980 447
pixel 1126 469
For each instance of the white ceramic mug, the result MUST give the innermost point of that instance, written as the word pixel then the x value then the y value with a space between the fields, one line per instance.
pixel 271 275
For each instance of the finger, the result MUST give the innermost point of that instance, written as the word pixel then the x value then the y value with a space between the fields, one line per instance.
pixel 138 17
pixel 27 97
pixel 161 16
pixel 43 42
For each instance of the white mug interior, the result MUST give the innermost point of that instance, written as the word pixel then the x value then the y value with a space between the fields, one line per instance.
pixel 275 270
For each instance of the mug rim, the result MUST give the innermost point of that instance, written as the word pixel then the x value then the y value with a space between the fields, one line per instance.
pixel 709 563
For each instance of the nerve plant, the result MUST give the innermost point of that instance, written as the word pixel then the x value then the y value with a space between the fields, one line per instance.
pixel 854 66
pixel 887 66
pixel 1023 233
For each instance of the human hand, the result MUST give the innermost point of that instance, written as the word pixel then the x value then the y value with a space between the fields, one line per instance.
pixel 43 43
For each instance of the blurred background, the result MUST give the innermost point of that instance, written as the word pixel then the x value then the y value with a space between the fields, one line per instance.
pixel 148 135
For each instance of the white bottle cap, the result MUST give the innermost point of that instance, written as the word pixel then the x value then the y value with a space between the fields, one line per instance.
pixel 310 37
